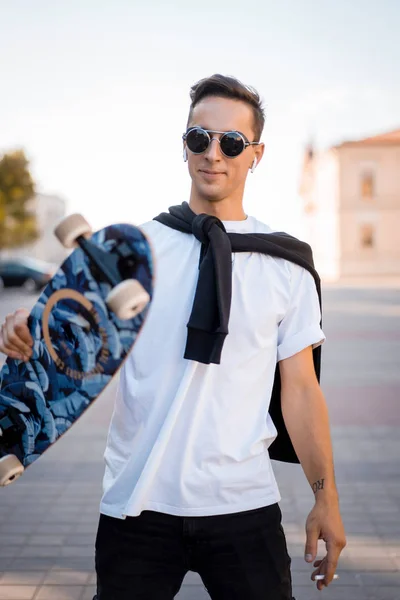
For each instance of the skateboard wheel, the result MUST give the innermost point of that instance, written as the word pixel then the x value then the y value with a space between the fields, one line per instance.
pixel 127 299
pixel 10 469
pixel 70 228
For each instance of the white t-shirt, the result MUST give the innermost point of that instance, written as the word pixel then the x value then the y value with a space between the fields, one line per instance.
pixel 191 439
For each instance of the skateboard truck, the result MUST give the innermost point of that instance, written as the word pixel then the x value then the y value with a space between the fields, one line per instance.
pixel 11 425
pixel 127 297
pixel 76 231
pixel 106 263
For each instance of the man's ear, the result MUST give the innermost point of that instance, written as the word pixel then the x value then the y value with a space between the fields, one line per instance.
pixel 260 151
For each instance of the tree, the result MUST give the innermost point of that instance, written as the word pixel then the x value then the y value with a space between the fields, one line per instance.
pixel 17 222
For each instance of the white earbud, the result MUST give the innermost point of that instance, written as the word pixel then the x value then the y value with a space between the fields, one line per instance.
pixel 185 157
pixel 253 166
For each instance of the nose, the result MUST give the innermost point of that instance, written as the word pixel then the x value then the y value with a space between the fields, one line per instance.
pixel 213 151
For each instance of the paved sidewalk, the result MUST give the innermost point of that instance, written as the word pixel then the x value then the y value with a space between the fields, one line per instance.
pixel 48 519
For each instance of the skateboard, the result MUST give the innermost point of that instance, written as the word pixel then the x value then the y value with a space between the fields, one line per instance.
pixel 84 324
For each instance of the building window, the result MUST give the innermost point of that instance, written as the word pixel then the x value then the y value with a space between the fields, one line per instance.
pixel 367 236
pixel 367 184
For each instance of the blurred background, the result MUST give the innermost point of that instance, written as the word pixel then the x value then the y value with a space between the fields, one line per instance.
pixel 96 95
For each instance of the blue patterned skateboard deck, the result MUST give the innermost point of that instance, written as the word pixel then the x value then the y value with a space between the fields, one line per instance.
pixel 79 345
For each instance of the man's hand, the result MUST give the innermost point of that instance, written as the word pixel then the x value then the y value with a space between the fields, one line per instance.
pixel 15 338
pixel 324 522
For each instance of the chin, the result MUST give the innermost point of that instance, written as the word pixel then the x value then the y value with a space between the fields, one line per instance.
pixel 211 193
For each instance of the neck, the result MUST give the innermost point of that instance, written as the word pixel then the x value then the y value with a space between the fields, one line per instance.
pixel 227 209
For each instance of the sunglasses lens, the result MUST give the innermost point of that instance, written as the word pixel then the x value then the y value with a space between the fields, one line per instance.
pixel 197 141
pixel 232 144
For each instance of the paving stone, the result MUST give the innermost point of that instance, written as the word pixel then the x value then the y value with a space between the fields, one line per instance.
pixel 78 551
pixel 67 577
pixel 5 563
pixel 372 564
pixel 192 592
pixel 86 539
pixel 13 539
pixel 361 528
pixel 388 528
pixel 15 528
pixel 331 593
pixel 88 593
pixel 88 528
pixel 299 564
pixel 22 578
pixel 46 540
pixel 40 551
pixel 294 550
pixel 192 578
pixel 17 592
pixel 9 551
pixel 33 563
pixel 52 592
pixel 53 529
pixel 362 551
pixel 355 541
pixel 383 593
pixel 377 578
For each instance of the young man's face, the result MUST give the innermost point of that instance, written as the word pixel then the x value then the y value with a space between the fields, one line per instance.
pixel 215 176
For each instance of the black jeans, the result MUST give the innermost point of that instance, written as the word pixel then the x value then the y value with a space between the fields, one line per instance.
pixel 240 556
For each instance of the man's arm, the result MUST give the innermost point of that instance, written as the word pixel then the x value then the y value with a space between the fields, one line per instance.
pixel 306 418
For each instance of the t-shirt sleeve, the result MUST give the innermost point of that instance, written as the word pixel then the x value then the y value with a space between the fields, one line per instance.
pixel 300 327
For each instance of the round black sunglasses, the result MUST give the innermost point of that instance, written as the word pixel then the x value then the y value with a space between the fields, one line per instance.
pixel 232 143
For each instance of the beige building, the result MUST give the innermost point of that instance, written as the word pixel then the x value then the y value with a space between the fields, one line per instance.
pixel 49 210
pixel 351 196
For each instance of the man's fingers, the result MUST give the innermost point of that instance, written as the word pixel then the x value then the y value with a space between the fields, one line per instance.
pixel 15 338
pixel 12 337
pixel 11 340
pixel 9 351
pixel 320 570
pixel 334 549
pixel 311 548
pixel 7 346
pixel 317 563
pixel 2 348
pixel 23 333
pixel 15 355
pixel 327 566
pixel 21 326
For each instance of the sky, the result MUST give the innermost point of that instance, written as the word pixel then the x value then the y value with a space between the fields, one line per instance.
pixel 97 92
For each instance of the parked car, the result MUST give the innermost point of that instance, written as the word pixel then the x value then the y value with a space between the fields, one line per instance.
pixel 28 273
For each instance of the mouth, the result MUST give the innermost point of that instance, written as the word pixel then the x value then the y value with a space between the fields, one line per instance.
pixel 210 173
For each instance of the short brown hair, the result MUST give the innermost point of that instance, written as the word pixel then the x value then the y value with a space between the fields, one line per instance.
pixel 229 87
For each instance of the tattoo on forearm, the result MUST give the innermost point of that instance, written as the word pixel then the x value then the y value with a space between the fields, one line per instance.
pixel 318 485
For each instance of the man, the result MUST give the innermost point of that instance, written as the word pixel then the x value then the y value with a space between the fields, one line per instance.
pixel 189 483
